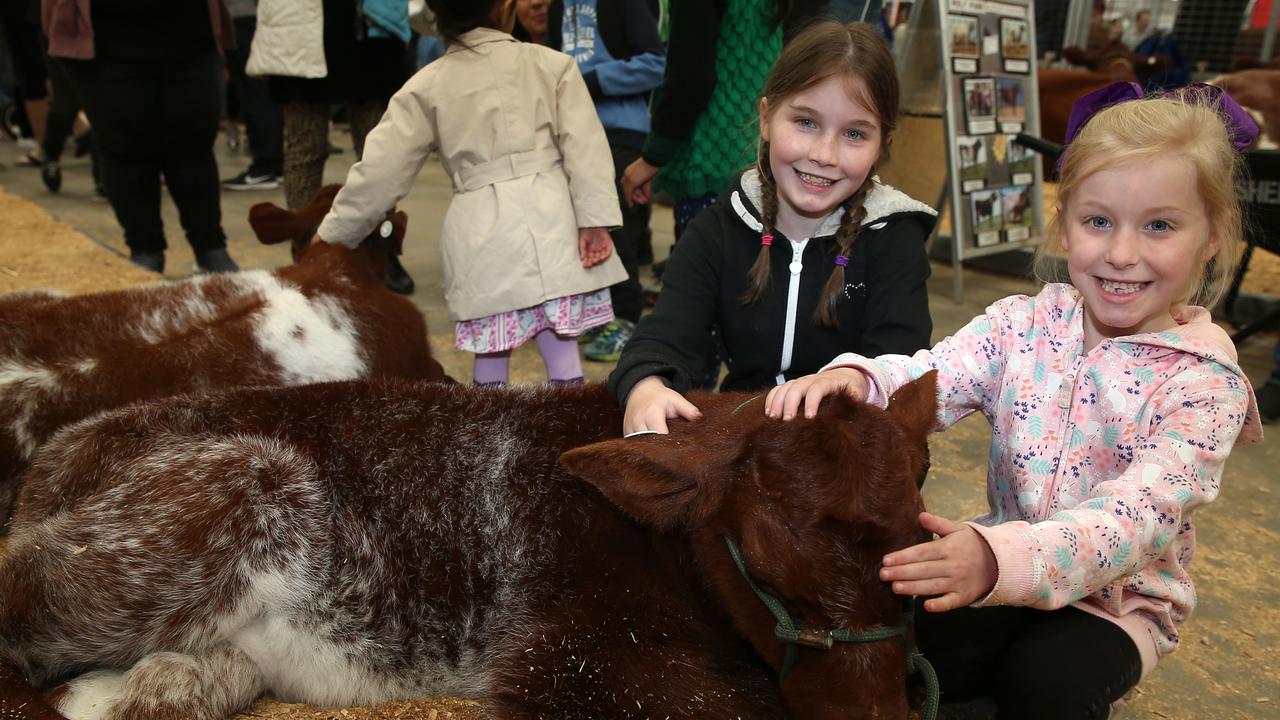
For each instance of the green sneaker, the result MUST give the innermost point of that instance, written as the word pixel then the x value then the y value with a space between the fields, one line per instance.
pixel 608 344
pixel 589 335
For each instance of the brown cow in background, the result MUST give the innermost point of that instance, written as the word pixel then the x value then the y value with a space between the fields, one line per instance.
pixel 326 317
pixel 1060 88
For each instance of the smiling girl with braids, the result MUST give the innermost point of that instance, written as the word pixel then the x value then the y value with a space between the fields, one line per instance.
pixel 807 255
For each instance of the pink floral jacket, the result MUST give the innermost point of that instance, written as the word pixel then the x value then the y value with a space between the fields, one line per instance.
pixel 1098 459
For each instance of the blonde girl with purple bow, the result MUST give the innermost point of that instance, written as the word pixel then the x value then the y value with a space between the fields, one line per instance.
pixel 1114 402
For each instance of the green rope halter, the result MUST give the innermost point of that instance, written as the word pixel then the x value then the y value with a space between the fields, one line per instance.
pixel 793 636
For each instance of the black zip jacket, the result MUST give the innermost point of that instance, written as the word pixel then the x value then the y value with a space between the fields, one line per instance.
pixel 885 308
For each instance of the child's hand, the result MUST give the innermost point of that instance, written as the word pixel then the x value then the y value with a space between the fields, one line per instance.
pixel 594 246
pixel 785 399
pixel 651 403
pixel 959 566
pixel 637 182
pixel 315 240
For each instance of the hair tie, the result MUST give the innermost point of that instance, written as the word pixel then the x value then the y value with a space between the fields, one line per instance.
pixel 1240 126
pixel 766 239
pixel 842 260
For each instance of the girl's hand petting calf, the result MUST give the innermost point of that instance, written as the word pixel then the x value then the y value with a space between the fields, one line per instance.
pixel 959 566
pixel 784 400
pixel 651 404
pixel 594 246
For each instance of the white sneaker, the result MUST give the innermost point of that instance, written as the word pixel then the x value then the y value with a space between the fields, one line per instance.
pixel 248 181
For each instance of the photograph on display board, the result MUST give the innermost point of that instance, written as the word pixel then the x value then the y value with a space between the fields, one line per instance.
pixel 973 157
pixel 1020 158
pixel 1011 100
pixel 987 216
pixel 964 35
pixel 1014 39
pixel 1018 215
pixel 980 105
pixel 1015 201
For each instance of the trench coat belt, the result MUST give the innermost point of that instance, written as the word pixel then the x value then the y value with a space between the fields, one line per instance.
pixel 507 167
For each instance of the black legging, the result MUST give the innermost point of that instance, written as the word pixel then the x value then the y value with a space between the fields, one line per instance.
pixel 628 300
pixel 1040 664
pixel 64 106
pixel 153 117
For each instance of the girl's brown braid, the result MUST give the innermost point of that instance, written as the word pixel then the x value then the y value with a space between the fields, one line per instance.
pixel 769 215
pixel 855 211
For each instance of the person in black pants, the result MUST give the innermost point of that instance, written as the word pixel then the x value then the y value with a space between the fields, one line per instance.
pixel 20 34
pixel 149 78
pixel 262 116
pixel 64 106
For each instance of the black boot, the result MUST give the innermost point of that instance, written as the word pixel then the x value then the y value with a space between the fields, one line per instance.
pixel 398 279
pixel 148 261
pixel 215 261
pixel 51 174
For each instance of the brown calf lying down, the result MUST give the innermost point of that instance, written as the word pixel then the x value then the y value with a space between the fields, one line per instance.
pixel 327 317
pixel 355 543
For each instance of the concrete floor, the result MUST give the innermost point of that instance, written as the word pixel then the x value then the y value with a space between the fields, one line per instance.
pixel 1227 667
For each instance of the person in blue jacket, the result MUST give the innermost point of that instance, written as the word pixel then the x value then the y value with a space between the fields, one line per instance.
pixel 619 51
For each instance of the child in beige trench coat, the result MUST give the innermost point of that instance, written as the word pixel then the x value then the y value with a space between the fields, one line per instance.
pixel 525 242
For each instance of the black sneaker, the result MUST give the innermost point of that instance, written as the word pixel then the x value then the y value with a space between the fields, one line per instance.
pixel 51 174
pixel 249 180
pixel 215 261
pixel 1269 402
pixel 148 261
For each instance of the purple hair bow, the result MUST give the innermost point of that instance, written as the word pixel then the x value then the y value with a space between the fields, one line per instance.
pixel 1240 126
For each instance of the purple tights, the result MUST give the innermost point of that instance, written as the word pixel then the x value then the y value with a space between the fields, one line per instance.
pixel 559 354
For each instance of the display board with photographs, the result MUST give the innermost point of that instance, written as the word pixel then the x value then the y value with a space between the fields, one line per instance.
pixel 991 96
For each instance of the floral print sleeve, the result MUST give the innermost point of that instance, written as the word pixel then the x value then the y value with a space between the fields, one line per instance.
pixel 970 363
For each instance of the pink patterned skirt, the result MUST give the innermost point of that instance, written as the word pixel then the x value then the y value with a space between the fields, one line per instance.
pixel 566 316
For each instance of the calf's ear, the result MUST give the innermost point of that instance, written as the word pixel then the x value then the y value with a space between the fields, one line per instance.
pixel 273 224
pixel 399 226
pixel 915 406
pixel 652 478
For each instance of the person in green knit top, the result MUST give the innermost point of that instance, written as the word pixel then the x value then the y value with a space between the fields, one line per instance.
pixel 704 114
pixel 703 118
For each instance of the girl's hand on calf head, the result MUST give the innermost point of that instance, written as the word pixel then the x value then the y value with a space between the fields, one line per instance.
pixel 784 400
pixel 651 403
pixel 959 566
pixel 594 246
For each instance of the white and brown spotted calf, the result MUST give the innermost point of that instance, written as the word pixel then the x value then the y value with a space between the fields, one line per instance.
pixel 326 317
pixel 355 543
